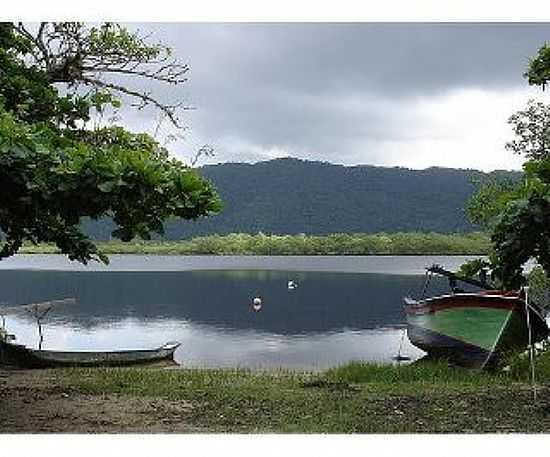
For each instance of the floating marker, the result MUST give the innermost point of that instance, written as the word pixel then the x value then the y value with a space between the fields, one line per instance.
pixel 291 285
pixel 257 304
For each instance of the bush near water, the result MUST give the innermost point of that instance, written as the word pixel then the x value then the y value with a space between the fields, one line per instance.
pixel 414 243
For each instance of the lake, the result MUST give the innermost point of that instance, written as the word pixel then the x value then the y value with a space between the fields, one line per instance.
pixel 343 308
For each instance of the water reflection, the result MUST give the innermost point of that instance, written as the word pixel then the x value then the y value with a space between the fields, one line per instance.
pixel 329 319
pixel 204 346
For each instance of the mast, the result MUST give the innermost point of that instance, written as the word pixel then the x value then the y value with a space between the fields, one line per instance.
pixel 36 310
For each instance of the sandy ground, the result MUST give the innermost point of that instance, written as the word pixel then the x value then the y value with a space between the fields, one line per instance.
pixel 35 401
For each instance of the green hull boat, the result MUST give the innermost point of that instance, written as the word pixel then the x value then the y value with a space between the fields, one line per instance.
pixel 473 329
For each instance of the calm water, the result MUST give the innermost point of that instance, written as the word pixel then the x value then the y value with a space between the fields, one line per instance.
pixel 353 312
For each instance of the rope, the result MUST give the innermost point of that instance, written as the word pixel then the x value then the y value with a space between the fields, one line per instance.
pixel 401 344
pixel 426 284
pixel 531 347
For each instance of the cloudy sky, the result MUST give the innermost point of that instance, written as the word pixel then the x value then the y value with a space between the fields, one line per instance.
pixel 412 95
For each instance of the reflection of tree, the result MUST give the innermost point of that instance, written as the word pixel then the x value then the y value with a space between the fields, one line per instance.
pixel 324 301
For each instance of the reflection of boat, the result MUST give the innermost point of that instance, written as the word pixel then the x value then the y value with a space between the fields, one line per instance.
pixel 23 357
pixel 473 329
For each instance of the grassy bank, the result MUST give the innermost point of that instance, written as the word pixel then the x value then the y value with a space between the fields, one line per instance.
pixel 358 397
pixel 336 244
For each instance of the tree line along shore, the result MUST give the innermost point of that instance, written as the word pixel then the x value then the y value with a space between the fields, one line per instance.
pixel 412 243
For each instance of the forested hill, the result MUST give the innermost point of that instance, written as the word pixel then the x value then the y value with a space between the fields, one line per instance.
pixel 290 196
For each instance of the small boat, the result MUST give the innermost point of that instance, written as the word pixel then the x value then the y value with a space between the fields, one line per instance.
pixel 473 329
pixel 23 357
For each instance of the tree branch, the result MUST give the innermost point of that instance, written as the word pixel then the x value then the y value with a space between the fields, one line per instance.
pixel 157 75
pixel 168 110
pixel 72 54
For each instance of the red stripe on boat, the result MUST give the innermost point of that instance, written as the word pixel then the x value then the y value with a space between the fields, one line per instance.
pixel 432 305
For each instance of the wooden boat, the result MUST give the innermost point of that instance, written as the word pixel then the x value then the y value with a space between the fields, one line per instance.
pixel 474 329
pixel 23 357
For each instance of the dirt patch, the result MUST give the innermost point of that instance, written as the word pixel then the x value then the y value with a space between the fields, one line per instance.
pixel 37 401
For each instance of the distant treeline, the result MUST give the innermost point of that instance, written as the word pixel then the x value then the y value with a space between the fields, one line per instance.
pixel 293 196
pixel 336 244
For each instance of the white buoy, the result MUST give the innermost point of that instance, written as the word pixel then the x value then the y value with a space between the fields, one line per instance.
pixel 291 285
pixel 257 304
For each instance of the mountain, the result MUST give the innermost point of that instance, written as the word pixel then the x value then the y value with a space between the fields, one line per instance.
pixel 290 196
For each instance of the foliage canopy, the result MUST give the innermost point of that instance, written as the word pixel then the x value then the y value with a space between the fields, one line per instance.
pixel 518 216
pixel 55 169
pixel 538 72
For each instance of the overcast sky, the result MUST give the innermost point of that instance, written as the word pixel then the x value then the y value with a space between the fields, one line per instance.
pixel 412 95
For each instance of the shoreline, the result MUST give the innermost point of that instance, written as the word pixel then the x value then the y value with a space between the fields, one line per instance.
pixel 372 264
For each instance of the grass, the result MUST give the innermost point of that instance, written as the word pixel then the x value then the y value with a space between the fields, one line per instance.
pixel 335 244
pixel 415 376
pixel 354 398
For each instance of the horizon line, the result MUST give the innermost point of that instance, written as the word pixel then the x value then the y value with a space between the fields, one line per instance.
pixel 326 162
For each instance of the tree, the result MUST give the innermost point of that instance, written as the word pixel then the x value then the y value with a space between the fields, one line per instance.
pixel 56 168
pixel 522 231
pixel 538 71
pixel 518 216
pixel 532 129
pixel 490 199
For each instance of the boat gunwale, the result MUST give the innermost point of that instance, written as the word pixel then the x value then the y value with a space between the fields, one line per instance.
pixel 495 301
pixel 25 357
pixel 169 348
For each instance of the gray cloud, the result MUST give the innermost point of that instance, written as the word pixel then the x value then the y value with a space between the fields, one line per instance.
pixel 320 58
pixel 336 92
